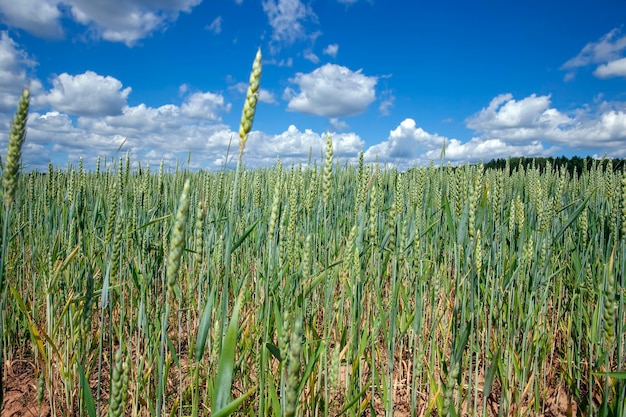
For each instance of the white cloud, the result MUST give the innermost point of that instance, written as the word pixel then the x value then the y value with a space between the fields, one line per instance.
pixel 152 134
pixel 13 75
pixel 51 122
pixel 87 94
pixel 406 142
pixel 13 61
pixel 485 150
pixel 331 91
pixel 39 17
pixel 332 50
pixel 605 49
pixel 205 106
pixel 286 17
pixel 409 145
pixel 128 20
pixel 504 112
pixel 56 135
pixel 294 145
pixel 533 119
pixel 216 25
pixel 615 68
pixel 124 21
pixel 136 120
pixel 310 56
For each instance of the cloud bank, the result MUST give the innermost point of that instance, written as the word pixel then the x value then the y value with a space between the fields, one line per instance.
pixel 125 21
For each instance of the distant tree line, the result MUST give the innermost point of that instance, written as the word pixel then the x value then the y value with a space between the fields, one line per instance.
pixel 575 165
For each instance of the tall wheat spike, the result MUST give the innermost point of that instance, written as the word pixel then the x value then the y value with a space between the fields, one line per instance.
pixel 14 153
pixel 249 108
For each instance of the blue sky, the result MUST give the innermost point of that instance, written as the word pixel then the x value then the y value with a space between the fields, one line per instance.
pixel 392 78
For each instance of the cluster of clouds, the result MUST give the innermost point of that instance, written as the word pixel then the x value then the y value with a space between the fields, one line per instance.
pixel 606 54
pixel 124 21
pixel 89 114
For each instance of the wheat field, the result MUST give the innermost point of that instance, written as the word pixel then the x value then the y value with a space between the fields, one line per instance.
pixel 318 289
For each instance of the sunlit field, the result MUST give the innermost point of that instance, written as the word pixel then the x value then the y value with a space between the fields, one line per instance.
pixel 318 289
pixel 356 289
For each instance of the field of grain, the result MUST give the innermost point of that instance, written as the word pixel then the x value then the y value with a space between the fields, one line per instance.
pixel 313 290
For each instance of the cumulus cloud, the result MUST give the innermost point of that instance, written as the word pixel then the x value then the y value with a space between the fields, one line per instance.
pixel 332 50
pixel 408 145
pixel 615 68
pixel 287 17
pixel 152 134
pixel 504 113
pixel 607 51
pixel 149 134
pixel 87 94
pixel 533 119
pixel 478 149
pixel 39 17
pixel 128 20
pixel 406 142
pixel 294 145
pixel 206 106
pixel 331 91
pixel 14 63
pixel 124 21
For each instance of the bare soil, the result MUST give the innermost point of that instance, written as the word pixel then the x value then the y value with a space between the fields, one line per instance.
pixel 20 395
